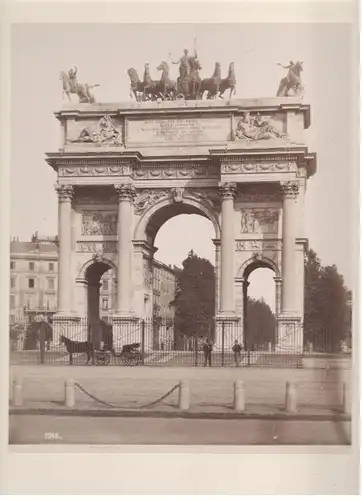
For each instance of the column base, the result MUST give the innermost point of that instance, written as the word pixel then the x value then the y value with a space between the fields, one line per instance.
pixel 290 335
pixel 71 326
pixel 228 329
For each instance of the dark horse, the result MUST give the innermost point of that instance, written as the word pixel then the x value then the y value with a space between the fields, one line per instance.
pixel 212 85
pixel 229 82
pixel 74 347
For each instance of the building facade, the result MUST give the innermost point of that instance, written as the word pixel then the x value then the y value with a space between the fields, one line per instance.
pixel 124 169
pixel 34 283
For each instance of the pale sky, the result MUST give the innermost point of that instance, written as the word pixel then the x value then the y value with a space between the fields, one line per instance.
pixel 103 53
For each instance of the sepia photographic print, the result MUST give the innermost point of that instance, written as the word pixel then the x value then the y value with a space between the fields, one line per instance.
pixel 182 252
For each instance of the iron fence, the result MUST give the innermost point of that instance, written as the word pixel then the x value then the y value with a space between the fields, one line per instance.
pixel 155 342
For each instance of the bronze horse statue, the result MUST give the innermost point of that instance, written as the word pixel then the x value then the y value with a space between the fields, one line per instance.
pixel 292 81
pixel 229 82
pixel 212 85
pixel 71 86
pixel 137 86
pixel 166 87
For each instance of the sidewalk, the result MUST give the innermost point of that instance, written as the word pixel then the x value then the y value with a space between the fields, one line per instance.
pixel 320 392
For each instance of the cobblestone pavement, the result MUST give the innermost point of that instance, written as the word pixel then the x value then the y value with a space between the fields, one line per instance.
pixel 318 390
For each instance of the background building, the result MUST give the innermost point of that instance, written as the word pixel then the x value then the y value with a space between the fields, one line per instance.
pixel 34 276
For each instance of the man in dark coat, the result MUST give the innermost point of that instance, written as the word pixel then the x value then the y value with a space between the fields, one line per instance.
pixel 207 349
pixel 237 348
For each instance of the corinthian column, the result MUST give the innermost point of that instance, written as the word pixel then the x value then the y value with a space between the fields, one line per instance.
pixel 126 195
pixel 289 190
pixel 65 194
pixel 227 192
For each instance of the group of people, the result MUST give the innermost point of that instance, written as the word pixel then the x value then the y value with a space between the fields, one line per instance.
pixel 208 348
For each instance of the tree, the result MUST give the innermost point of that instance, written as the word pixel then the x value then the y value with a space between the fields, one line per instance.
pixel 195 297
pixel 260 324
pixel 326 320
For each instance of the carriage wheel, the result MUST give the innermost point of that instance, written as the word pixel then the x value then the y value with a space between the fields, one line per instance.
pixel 125 361
pixel 102 359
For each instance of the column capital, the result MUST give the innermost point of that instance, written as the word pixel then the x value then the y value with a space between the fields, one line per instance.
pixel 125 192
pixel 228 190
pixel 277 279
pixel 289 189
pixel 65 192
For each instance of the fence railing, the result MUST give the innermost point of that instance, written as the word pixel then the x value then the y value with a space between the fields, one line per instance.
pixel 160 342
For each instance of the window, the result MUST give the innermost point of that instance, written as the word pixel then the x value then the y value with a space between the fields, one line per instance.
pixel 51 266
pixel 12 301
pixel 31 283
pixel 12 264
pixel 104 302
pixel 50 283
pixel 31 266
pixel 105 285
pixel 12 282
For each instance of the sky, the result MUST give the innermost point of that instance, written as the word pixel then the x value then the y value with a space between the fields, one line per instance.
pixel 104 52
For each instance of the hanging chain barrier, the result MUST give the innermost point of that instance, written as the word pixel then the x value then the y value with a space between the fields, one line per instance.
pixel 111 405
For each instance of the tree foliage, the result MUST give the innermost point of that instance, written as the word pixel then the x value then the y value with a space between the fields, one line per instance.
pixel 327 308
pixel 260 324
pixel 195 297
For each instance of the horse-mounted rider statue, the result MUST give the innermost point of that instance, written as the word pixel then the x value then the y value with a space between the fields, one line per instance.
pixel 291 84
pixel 71 86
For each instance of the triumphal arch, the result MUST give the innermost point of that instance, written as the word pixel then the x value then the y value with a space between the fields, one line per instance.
pixel 124 169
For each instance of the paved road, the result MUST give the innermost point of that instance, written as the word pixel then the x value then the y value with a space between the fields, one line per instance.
pixel 175 431
pixel 130 386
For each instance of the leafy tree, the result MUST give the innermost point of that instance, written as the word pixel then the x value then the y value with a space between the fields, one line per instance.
pixel 327 309
pixel 195 297
pixel 260 324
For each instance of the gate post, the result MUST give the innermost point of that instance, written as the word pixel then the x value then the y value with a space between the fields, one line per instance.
pixel 223 336
pixel 142 341
pixel 42 342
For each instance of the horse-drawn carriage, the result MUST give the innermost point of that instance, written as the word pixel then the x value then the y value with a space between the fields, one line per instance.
pixel 130 355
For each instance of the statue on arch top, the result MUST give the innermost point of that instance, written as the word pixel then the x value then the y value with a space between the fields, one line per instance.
pixel 186 63
pixel 291 82
pixel 71 86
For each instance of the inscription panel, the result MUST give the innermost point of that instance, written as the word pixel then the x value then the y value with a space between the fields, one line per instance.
pixel 96 246
pixel 179 130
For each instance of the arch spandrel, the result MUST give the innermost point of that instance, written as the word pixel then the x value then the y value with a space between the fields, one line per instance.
pixel 171 204
pixel 108 264
pixel 257 261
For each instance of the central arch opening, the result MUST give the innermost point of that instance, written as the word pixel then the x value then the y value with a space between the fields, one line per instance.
pixel 181 306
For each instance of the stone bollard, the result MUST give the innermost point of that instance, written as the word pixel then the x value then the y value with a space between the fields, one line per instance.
pixel 239 396
pixel 17 392
pixel 69 396
pixel 291 397
pixel 270 347
pixel 346 405
pixel 184 395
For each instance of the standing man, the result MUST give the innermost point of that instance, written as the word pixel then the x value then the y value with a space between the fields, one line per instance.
pixel 237 348
pixel 207 348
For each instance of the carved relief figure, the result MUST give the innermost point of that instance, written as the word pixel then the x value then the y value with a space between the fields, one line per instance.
pixel 99 223
pixel 147 197
pixel 256 129
pixel 248 223
pixel 177 194
pixel 259 220
pixel 107 134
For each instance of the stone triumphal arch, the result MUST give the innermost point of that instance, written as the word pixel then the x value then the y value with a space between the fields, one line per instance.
pixel 125 169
